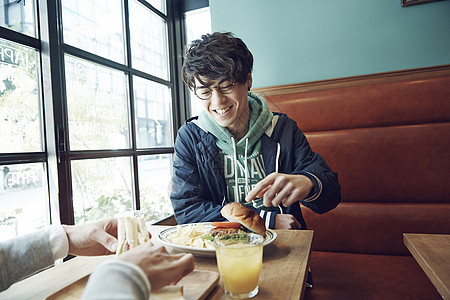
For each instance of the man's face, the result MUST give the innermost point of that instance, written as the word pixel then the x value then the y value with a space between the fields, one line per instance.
pixel 229 110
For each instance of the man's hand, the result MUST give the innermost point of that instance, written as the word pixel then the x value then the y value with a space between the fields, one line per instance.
pixel 96 238
pixel 278 188
pixel 160 267
pixel 286 221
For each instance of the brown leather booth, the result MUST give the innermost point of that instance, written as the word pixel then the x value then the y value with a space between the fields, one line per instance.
pixel 388 138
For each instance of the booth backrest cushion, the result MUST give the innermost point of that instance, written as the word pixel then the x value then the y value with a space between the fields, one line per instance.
pixel 389 142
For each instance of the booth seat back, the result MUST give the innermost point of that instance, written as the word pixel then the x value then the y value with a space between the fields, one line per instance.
pixel 389 142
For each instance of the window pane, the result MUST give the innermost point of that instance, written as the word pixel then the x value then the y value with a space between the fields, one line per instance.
pixel 153 114
pixel 198 22
pixel 24 203
pixel 101 188
pixel 20 17
pixel 149 42
pixel 95 26
pixel 20 115
pixel 97 106
pixel 159 5
pixel 154 184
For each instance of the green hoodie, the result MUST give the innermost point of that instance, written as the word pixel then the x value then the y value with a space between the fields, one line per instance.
pixel 260 119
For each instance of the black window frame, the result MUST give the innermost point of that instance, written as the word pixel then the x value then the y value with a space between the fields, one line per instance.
pixel 56 155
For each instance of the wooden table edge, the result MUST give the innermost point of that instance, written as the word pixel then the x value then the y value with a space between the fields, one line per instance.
pixel 435 280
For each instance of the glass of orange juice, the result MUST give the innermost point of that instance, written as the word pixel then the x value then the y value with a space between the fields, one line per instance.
pixel 239 258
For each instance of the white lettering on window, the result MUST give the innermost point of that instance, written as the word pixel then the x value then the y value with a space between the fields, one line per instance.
pixel 14 57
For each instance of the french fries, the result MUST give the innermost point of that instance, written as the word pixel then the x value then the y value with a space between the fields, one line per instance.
pixel 191 236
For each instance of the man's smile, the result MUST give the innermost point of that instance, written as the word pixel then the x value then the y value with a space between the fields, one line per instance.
pixel 223 110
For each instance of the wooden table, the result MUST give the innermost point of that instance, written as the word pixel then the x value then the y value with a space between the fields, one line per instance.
pixel 285 265
pixel 47 282
pixel 283 275
pixel 432 253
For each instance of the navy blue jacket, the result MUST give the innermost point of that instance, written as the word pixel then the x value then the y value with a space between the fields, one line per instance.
pixel 198 184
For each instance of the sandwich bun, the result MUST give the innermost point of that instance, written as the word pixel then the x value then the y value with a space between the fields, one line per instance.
pixel 238 212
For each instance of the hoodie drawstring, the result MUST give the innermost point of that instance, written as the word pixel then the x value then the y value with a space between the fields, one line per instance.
pixel 276 167
pixel 247 189
pixel 277 157
pixel 236 194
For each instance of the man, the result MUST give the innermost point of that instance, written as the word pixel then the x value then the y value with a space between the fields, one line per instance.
pixel 131 276
pixel 238 150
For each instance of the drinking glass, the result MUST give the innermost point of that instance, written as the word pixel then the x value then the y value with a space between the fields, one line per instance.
pixel 239 258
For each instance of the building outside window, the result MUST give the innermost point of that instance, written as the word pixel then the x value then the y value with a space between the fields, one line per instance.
pixel 88 110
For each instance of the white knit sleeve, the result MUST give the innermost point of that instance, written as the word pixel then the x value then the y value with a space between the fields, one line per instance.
pixel 59 243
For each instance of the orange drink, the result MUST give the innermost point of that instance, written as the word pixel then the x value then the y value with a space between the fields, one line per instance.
pixel 239 258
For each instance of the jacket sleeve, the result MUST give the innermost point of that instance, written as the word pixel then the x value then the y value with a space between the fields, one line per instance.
pixel 188 195
pixel 326 194
pixel 103 283
pixel 24 256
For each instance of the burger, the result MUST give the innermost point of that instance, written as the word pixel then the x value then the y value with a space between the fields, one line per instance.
pixel 241 219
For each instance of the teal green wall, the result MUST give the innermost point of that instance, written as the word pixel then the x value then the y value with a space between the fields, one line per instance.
pixel 305 40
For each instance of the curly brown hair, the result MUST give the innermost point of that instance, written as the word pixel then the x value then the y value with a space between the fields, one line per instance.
pixel 217 56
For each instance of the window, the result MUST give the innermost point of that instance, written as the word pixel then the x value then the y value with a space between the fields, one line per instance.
pixel 197 22
pixel 20 114
pixel 24 204
pixel 95 26
pixel 87 121
pixel 19 17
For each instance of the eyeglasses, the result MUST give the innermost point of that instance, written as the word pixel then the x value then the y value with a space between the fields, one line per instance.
pixel 204 93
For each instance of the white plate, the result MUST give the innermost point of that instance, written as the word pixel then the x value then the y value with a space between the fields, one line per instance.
pixel 162 237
